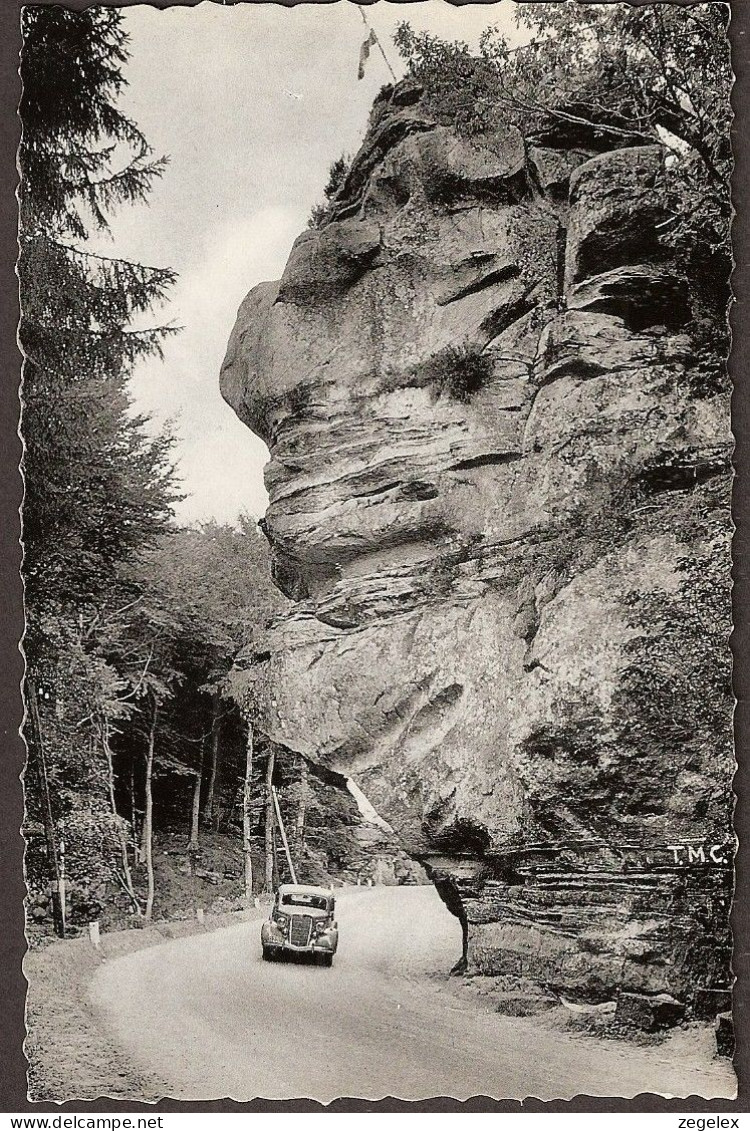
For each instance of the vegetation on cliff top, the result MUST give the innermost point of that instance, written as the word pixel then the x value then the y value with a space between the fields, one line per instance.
pixel 336 177
pixel 604 76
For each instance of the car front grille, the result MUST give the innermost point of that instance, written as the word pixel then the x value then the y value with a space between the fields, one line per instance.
pixel 299 933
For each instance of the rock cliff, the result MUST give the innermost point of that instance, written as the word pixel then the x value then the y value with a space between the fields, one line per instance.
pixel 499 497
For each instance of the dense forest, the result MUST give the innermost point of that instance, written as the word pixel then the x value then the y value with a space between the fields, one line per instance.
pixel 147 790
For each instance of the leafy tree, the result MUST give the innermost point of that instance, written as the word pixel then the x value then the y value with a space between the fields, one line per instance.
pixel 96 483
pixel 73 132
pixel 202 595
pixel 210 585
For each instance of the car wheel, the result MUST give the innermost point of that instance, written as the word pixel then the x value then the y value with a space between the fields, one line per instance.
pixel 268 954
pixel 328 960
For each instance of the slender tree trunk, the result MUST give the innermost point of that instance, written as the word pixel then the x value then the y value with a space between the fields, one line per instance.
pixel 195 827
pixel 141 844
pixel 148 817
pixel 126 879
pixel 276 873
pixel 299 822
pixel 246 796
pixel 196 810
pixel 208 809
pixel 284 841
pixel 133 813
pixel 269 822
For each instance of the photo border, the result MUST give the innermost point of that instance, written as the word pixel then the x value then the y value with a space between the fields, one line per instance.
pixel 13 1095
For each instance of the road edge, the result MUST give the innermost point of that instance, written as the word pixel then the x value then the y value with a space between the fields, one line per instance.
pixel 67 1039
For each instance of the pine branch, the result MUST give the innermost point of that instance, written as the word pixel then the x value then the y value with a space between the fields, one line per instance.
pixel 168 272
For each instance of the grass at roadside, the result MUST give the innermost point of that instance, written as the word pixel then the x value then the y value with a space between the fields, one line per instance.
pixel 68 1048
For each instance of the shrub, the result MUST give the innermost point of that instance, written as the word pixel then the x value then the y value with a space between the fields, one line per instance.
pixel 337 174
pixel 457 371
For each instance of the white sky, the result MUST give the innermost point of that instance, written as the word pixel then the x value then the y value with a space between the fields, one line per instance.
pixel 212 87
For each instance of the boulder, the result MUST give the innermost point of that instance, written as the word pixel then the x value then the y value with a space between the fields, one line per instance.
pixel 642 295
pixel 323 263
pixel 617 201
pixel 552 168
pixel 648 1012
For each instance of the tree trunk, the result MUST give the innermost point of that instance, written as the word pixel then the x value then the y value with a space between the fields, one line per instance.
pixel 208 809
pixel 126 879
pixel 148 817
pixel 299 822
pixel 141 844
pixel 284 840
pixel 246 795
pixel 269 823
pixel 196 810
pixel 133 813
pixel 276 872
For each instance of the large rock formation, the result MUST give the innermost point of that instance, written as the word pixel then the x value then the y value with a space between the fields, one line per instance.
pixel 499 498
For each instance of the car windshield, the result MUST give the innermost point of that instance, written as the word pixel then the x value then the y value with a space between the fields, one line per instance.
pixel 299 899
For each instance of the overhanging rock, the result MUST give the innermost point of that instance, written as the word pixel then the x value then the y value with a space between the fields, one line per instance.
pixel 505 524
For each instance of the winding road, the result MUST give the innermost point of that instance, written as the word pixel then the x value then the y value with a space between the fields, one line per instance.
pixel 211 1019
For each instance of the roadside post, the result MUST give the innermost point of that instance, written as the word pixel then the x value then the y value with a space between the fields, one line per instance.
pixel 61 887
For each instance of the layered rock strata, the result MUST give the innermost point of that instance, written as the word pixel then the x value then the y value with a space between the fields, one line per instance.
pixel 498 488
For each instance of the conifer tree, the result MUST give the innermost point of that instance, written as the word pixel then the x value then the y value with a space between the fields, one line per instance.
pixel 96 484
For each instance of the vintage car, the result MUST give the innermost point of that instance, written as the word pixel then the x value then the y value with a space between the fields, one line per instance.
pixel 301 922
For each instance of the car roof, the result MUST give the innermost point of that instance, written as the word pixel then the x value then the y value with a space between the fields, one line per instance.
pixel 304 889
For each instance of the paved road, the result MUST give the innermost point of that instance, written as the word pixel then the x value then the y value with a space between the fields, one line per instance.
pixel 209 1018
